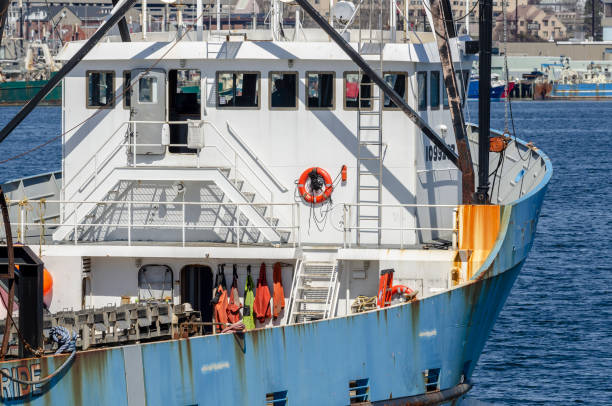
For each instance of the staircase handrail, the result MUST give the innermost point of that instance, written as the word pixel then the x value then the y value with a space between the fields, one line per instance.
pixel 296 276
pixel 257 160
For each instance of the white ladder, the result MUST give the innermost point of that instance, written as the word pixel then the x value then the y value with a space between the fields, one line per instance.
pixel 370 148
pixel 314 291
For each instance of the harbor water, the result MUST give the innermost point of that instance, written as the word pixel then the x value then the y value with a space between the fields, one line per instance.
pixel 552 343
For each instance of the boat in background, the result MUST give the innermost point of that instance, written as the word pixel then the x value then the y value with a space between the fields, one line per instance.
pixel 498 87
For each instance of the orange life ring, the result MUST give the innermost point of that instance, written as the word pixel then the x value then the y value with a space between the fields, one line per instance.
pixel 400 290
pixel 310 197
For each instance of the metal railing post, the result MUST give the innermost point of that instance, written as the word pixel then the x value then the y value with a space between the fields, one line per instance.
pixel 237 226
pixel 183 221
pixel 129 223
pixel 293 224
pixel 134 145
pixel 76 229
pixel 455 228
pixel 401 209
pixel 299 225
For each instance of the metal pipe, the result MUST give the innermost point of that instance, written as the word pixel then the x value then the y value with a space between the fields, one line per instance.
pixel 117 13
pixel 380 82
pixel 199 28
pixel 485 19
pixel 144 19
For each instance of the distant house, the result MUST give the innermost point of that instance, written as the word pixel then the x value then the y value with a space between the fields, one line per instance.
pixel 533 24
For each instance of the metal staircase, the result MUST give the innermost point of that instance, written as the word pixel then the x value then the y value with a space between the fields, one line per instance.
pixel 370 147
pixel 314 294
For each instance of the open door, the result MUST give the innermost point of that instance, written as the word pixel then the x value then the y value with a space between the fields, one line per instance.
pixel 148 103
pixel 197 290
pixel 184 103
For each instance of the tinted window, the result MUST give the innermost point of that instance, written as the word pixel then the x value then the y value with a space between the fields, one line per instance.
pixel 147 89
pixel 186 97
pixel 283 90
pixel 398 82
pixel 435 89
pixel 127 90
pixel 320 90
pixel 235 89
pixel 100 89
pixel 444 95
pixel 353 91
pixel 422 90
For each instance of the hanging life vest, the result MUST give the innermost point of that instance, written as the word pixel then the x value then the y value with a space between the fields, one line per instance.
pixel 321 185
pixel 220 299
pixel 262 297
pixel 385 288
pixel 249 299
pixel 279 292
pixel 233 308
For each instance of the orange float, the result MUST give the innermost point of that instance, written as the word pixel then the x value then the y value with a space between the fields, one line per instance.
pixel 312 173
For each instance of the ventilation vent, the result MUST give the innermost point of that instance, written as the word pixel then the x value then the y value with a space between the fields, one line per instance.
pixel 359 390
pixel 276 398
pixel 432 379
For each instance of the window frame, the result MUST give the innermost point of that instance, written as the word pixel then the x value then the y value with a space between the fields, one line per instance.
pixel 219 107
pixel 333 73
pixel 405 89
pixel 418 92
pixel 123 74
pixel 431 81
pixel 354 72
pixel 110 105
pixel 297 90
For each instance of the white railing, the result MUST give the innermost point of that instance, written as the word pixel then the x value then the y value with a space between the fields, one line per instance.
pixel 402 213
pixel 127 221
pixel 102 158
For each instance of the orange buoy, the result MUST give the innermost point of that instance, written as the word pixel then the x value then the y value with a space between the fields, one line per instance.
pixel 47 287
pixel 314 173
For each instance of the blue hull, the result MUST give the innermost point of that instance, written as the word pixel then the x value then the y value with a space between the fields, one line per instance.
pixel 586 90
pixel 497 92
pixel 312 362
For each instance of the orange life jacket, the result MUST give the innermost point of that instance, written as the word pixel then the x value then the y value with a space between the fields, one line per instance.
pixel 220 298
pixel 262 296
pixel 233 309
pixel 279 293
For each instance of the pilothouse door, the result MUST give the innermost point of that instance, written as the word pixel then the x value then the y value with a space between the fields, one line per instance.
pixel 148 103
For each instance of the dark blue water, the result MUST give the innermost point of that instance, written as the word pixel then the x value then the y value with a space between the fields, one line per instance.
pixel 553 341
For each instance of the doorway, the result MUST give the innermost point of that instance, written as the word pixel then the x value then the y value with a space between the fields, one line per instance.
pixel 184 99
pixel 197 290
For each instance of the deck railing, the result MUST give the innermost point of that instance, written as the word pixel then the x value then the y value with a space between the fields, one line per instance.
pixel 404 220
pixel 127 208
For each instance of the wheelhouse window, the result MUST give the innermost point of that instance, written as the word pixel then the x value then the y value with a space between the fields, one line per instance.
pixel 147 89
pixel 100 86
pixel 127 90
pixel 434 88
pixel 444 95
pixel 320 90
pixel 283 90
pixel 422 90
pixel 353 91
pixel 398 82
pixel 237 89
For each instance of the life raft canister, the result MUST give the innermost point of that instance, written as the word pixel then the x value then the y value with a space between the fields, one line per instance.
pixel 314 173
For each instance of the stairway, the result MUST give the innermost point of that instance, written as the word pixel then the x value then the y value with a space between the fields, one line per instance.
pixel 315 291
pixel 369 151
pixel 225 188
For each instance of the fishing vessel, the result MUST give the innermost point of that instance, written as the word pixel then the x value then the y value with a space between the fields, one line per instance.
pixel 498 87
pixel 367 264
